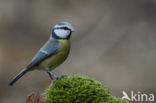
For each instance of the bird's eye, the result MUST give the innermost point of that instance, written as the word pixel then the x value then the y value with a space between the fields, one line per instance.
pixel 65 28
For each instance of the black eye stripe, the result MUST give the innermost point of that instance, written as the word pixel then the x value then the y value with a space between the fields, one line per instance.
pixel 65 28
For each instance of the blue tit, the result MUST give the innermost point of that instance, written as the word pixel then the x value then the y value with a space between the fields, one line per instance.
pixel 52 53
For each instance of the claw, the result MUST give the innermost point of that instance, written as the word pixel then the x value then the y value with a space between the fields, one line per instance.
pixel 62 76
pixel 53 81
pixel 58 77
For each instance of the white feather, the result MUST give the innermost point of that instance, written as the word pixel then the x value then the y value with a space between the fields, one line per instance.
pixel 62 33
pixel 68 26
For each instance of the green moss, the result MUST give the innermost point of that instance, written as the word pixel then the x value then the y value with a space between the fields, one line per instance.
pixel 79 89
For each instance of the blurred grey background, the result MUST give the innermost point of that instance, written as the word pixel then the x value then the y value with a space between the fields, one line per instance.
pixel 114 42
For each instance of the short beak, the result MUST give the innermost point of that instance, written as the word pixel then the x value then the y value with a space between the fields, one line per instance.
pixel 73 30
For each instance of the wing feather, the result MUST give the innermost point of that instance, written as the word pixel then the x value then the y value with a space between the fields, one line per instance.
pixel 43 53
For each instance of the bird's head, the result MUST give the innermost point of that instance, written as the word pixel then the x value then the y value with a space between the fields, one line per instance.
pixel 62 30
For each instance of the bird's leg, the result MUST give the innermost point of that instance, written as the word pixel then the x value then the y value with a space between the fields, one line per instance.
pixel 58 77
pixel 52 75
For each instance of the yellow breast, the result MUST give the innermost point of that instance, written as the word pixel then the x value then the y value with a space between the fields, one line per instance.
pixel 57 58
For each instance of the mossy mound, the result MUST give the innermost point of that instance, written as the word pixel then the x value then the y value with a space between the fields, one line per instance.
pixel 79 89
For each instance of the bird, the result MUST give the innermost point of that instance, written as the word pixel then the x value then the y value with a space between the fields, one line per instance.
pixel 53 53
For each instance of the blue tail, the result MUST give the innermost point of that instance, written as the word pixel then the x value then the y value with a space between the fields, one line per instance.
pixel 18 76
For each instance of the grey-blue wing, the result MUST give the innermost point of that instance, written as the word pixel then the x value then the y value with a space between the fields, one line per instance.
pixel 47 50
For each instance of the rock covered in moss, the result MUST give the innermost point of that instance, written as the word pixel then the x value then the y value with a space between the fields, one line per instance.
pixel 79 89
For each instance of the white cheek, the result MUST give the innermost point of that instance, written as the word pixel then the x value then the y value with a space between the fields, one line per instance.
pixel 62 33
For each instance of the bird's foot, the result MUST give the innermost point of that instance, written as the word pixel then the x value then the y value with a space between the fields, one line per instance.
pixel 58 77
pixel 61 76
